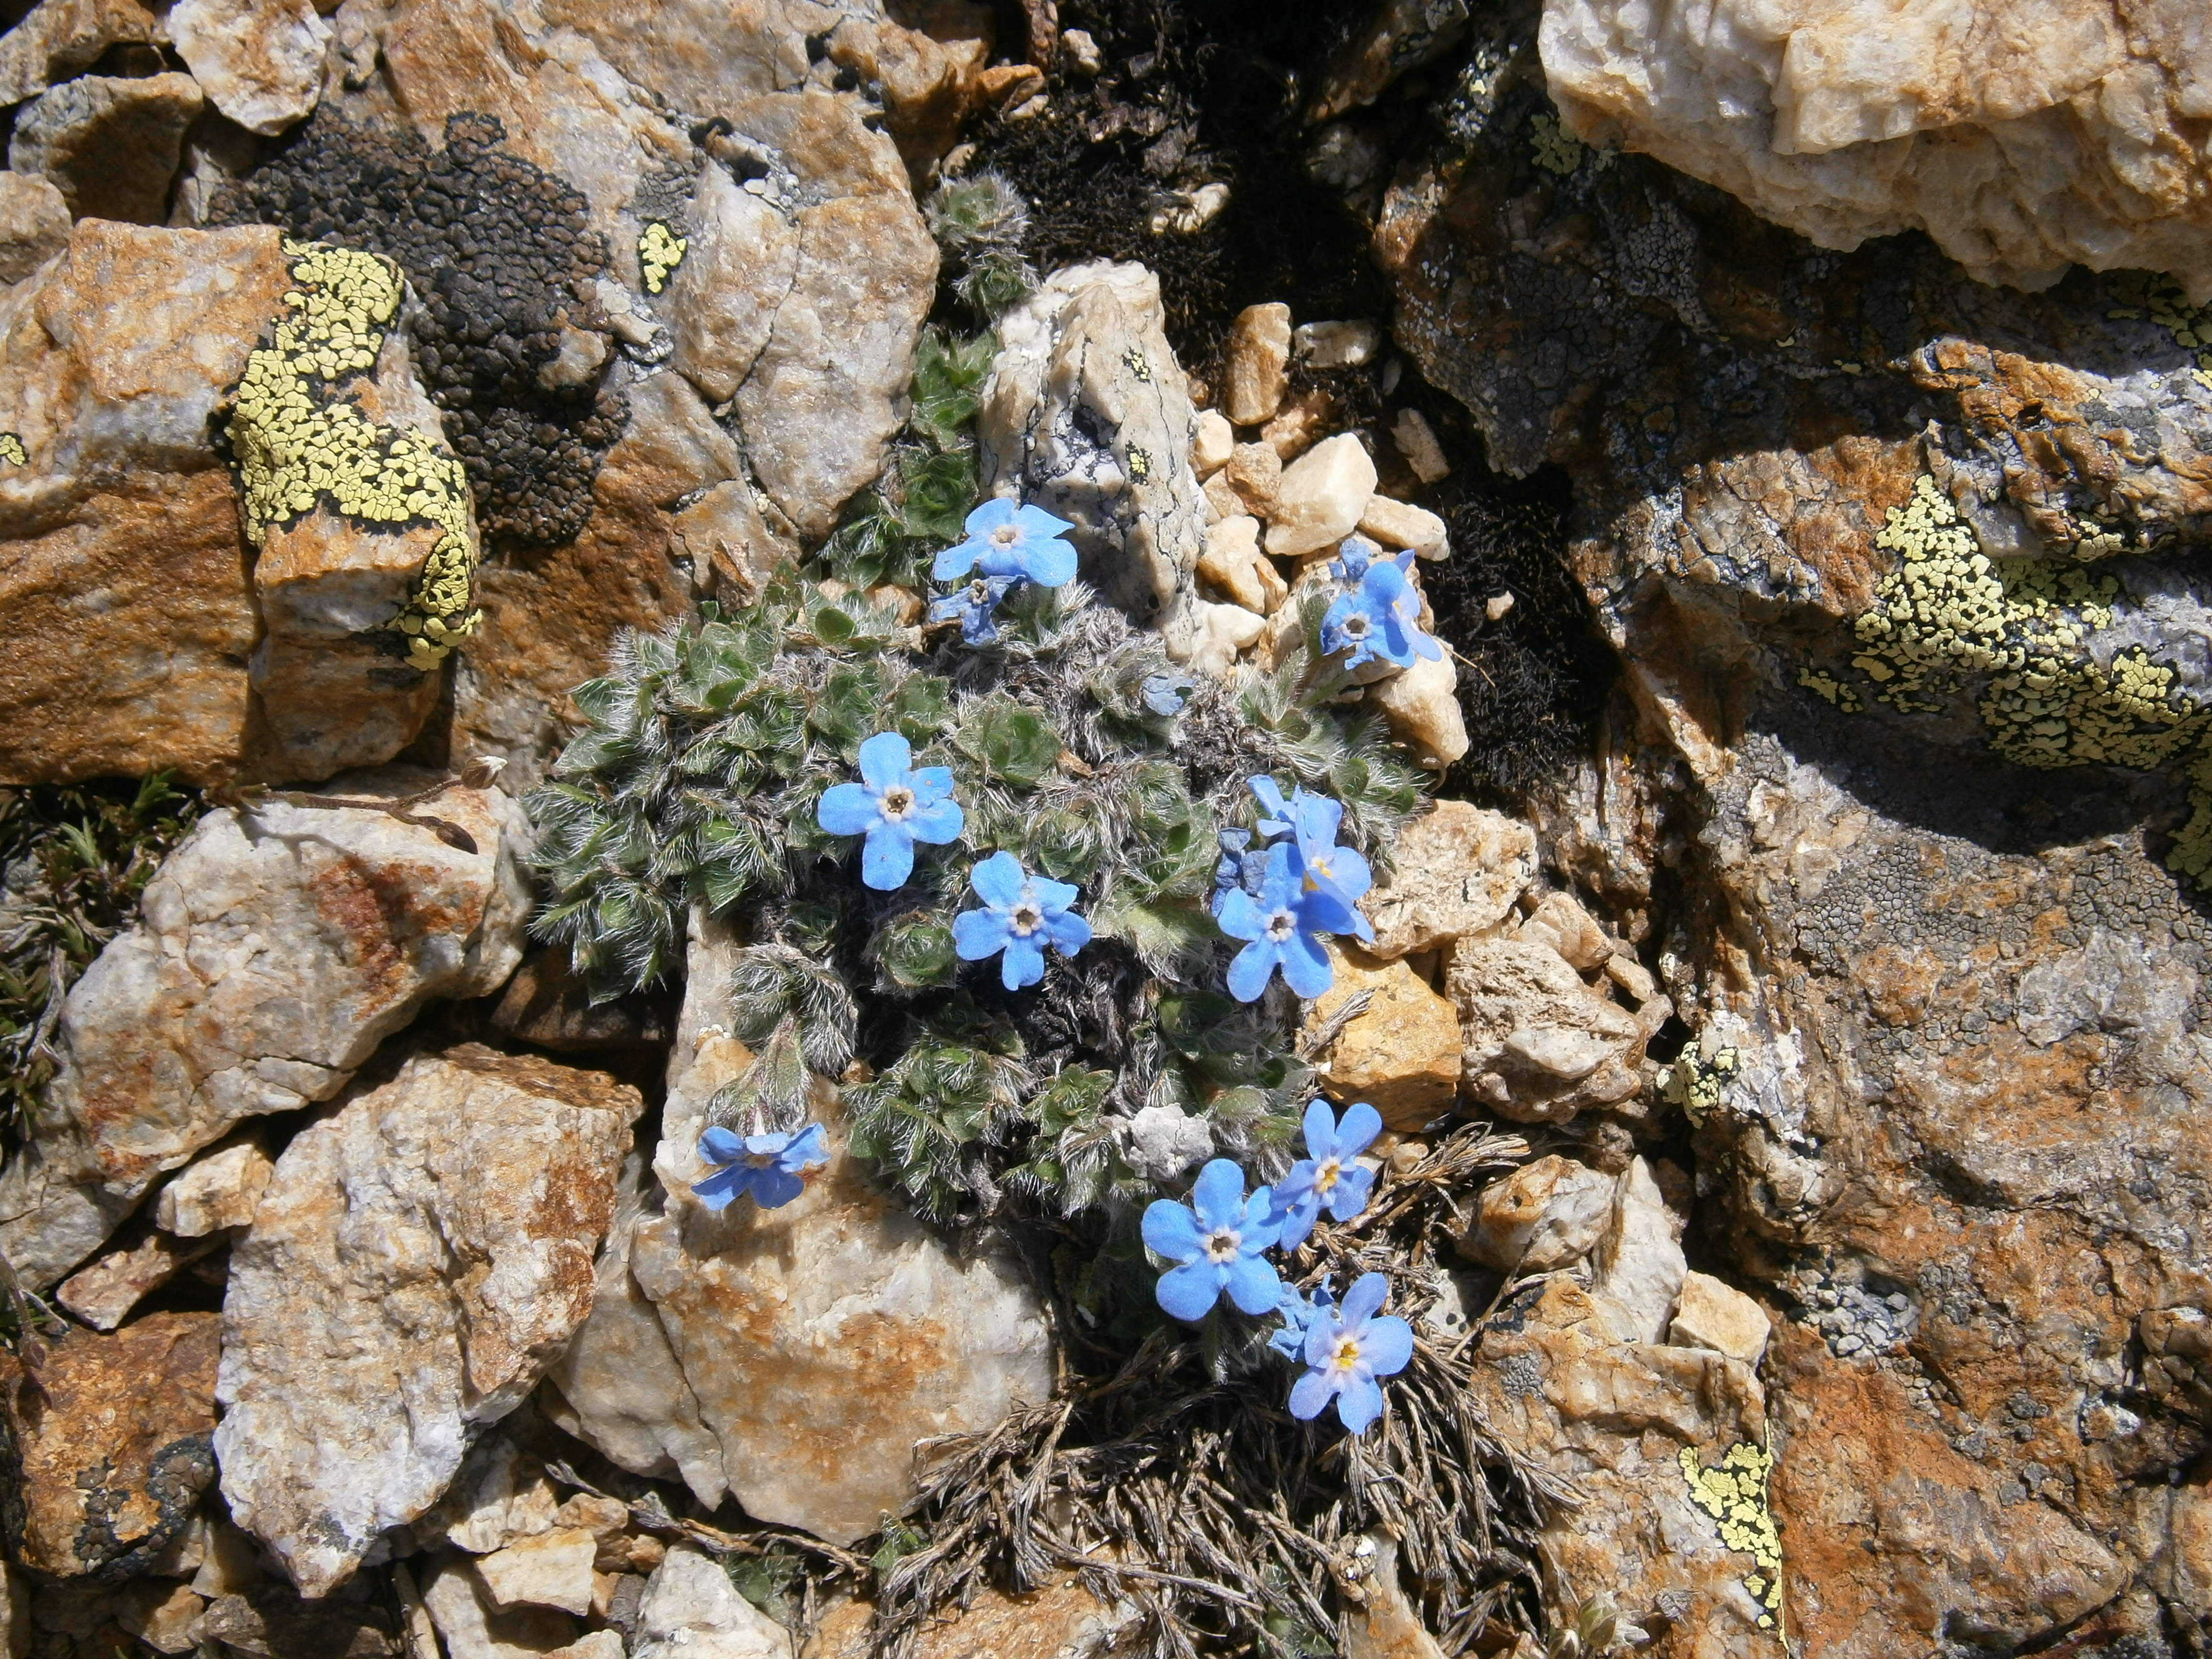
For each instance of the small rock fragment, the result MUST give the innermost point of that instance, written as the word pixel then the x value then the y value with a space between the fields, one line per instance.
pixel 1082 53
pixel 58 39
pixel 1638 1259
pixel 473 1626
pixel 273 1621
pixel 1321 496
pixel 1233 562
pixel 1457 871
pixel 1544 1215
pixel 1711 1313
pixel 1396 524
pixel 599 1644
pixel 1338 345
pixel 1259 355
pixel 110 144
pixel 692 1611
pixel 1300 424
pixel 162 1615
pixel 217 1191
pixel 1528 1019
pixel 1560 921
pixel 1402 1054
pixel 1498 606
pixel 1211 437
pixel 548 1569
pixel 104 1294
pixel 1416 441
pixel 1256 473
pixel 34 224
pixel 1386 1624
pixel 1422 705
pixel 260 62
pixel 1222 634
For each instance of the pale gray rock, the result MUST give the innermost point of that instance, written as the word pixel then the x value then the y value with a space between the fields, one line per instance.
pixel 1638 1259
pixel 1163 1142
pixel 1088 416
pixel 472 1625
pixel 1540 1045
pixel 419 1258
pixel 260 62
pixel 742 259
pixel 217 1191
pixel 277 946
pixel 1455 871
pixel 34 224
pixel 692 1611
pixel 110 144
pixel 1422 706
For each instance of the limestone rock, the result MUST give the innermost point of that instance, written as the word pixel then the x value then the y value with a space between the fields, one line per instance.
pixel 103 1294
pixel 738 269
pixel 56 38
pixel 692 1611
pixel 471 1624
pixel 1401 35
pixel 1321 497
pixel 1254 475
pixel 1233 562
pixel 418 1259
pixel 2015 133
pixel 108 1444
pixel 1219 635
pixel 1087 415
pixel 217 1191
pixel 546 1569
pixel 1540 1045
pixel 271 1621
pixel 1639 1261
pixel 1256 373
pixel 1456 872
pixel 110 144
pixel 1560 921
pixel 1162 1141
pixel 196 1018
pixel 34 224
pixel 1422 706
pixel 260 62
pixel 1337 344
pixel 1416 440
pixel 1712 1313
pixel 1212 441
pixel 1396 524
pixel 1387 1625
pixel 1402 1054
pixel 1544 1216
pixel 164 1616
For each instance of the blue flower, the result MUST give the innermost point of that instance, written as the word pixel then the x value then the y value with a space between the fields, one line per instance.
pixel 1005 539
pixel 1312 821
pixel 974 607
pixel 894 807
pixel 1281 922
pixel 1218 1238
pixel 1380 614
pixel 1240 866
pixel 1165 693
pixel 766 1166
pixel 1298 1315
pixel 1329 1179
pixel 1021 914
pixel 1345 1351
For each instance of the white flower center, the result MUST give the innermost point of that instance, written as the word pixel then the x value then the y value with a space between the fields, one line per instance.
pixel 1025 918
pixel 1220 1245
pixel 1356 625
pixel 760 1160
pixel 1006 535
pixel 1281 925
pixel 897 801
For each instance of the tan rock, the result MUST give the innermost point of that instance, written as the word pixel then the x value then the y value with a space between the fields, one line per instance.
pixel 162 1615
pixel 1637 1266
pixel 34 224
pixel 199 1016
pixel 1560 921
pixel 1222 502
pixel 1846 120
pixel 217 1191
pixel 1254 472
pixel 110 144
pixel 1395 524
pixel 1456 872
pixel 1422 706
pixel 1713 1314
pixel 727 543
pixel 1402 1054
pixel 1386 1624
pixel 110 1440
pixel 1211 440
pixel 231 1564
pixel 471 1625
pixel 1222 633
pixel 1416 440
pixel 549 1569
pixel 738 270
pixel 1233 562
pixel 271 1619
pixel 418 1259
pixel 1063 1620
pixel 1321 497
pixel 500 1494
pixel 260 62
pixel 104 1294
pixel 1544 1215
pixel 1394 38
pixel 691 1610
pixel 1301 423
pixel 595 1644
pixel 1337 344
pixel 58 39
pixel 1256 373
pixel 1540 1045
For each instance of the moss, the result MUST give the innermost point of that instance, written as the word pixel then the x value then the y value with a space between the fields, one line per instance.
pixel 660 251
pixel 299 443
pixel 1733 1493
pixel 11 449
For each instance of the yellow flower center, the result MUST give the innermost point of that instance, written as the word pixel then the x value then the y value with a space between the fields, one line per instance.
pixel 1325 1176
pixel 1346 1355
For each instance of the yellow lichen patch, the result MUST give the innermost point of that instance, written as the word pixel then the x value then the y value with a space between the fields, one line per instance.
pixel 2162 299
pixel 1697 1080
pixel 660 251
pixel 1733 1493
pixel 1949 611
pixel 1828 686
pixel 11 449
pixel 1557 150
pixel 298 442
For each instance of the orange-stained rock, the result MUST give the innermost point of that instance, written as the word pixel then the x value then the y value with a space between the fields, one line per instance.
pixel 418 1259
pixel 109 1445
pixel 1402 1054
pixel 1063 1620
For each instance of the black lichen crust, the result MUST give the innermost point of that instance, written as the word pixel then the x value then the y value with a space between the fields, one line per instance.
pixel 500 253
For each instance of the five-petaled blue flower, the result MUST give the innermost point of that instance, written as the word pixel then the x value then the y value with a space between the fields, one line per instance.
pixel 894 807
pixel 1005 539
pixel 1298 1315
pixel 1021 913
pixel 1218 1238
pixel 975 607
pixel 766 1166
pixel 1347 1349
pixel 1311 822
pixel 1379 614
pixel 1281 922
pixel 1329 1179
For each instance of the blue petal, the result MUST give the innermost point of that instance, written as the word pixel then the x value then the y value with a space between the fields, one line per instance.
pixel 1035 521
pixel 931 784
pixel 1259 1224
pixel 1254 1286
pixel 776 1188
pixel 998 880
pixel 1189 1290
pixel 1351 872
pixel 1068 934
pixel 846 809
pixel 1297 1218
pixel 1289 1340
pixel 1427 645
pixel 1349 1196
pixel 1386 1346
pixel 957 561
pixel 887 857
pixel 1365 1297
pixel 1239 916
pixel 980 933
pixel 716 1191
pixel 1023 964
pixel 1169 1228
pixel 1054 898
pixel 763 1146
pixel 1320 914
pixel 1322 1338
pixel 1305 966
pixel 1049 563
pixel 1316 818
pixel 1270 797
pixel 1254 967
pixel 1321 1128
pixel 719 1145
pixel 1309 1394
pixel 1356 1130
pixel 1218 1195
pixel 885 759
pixel 937 824
pixel 1282 885
pixel 991 515
pixel 808 1149
pixel 1358 1403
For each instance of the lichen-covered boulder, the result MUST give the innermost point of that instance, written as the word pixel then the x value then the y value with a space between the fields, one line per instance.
pixel 418 1258
pixel 280 944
